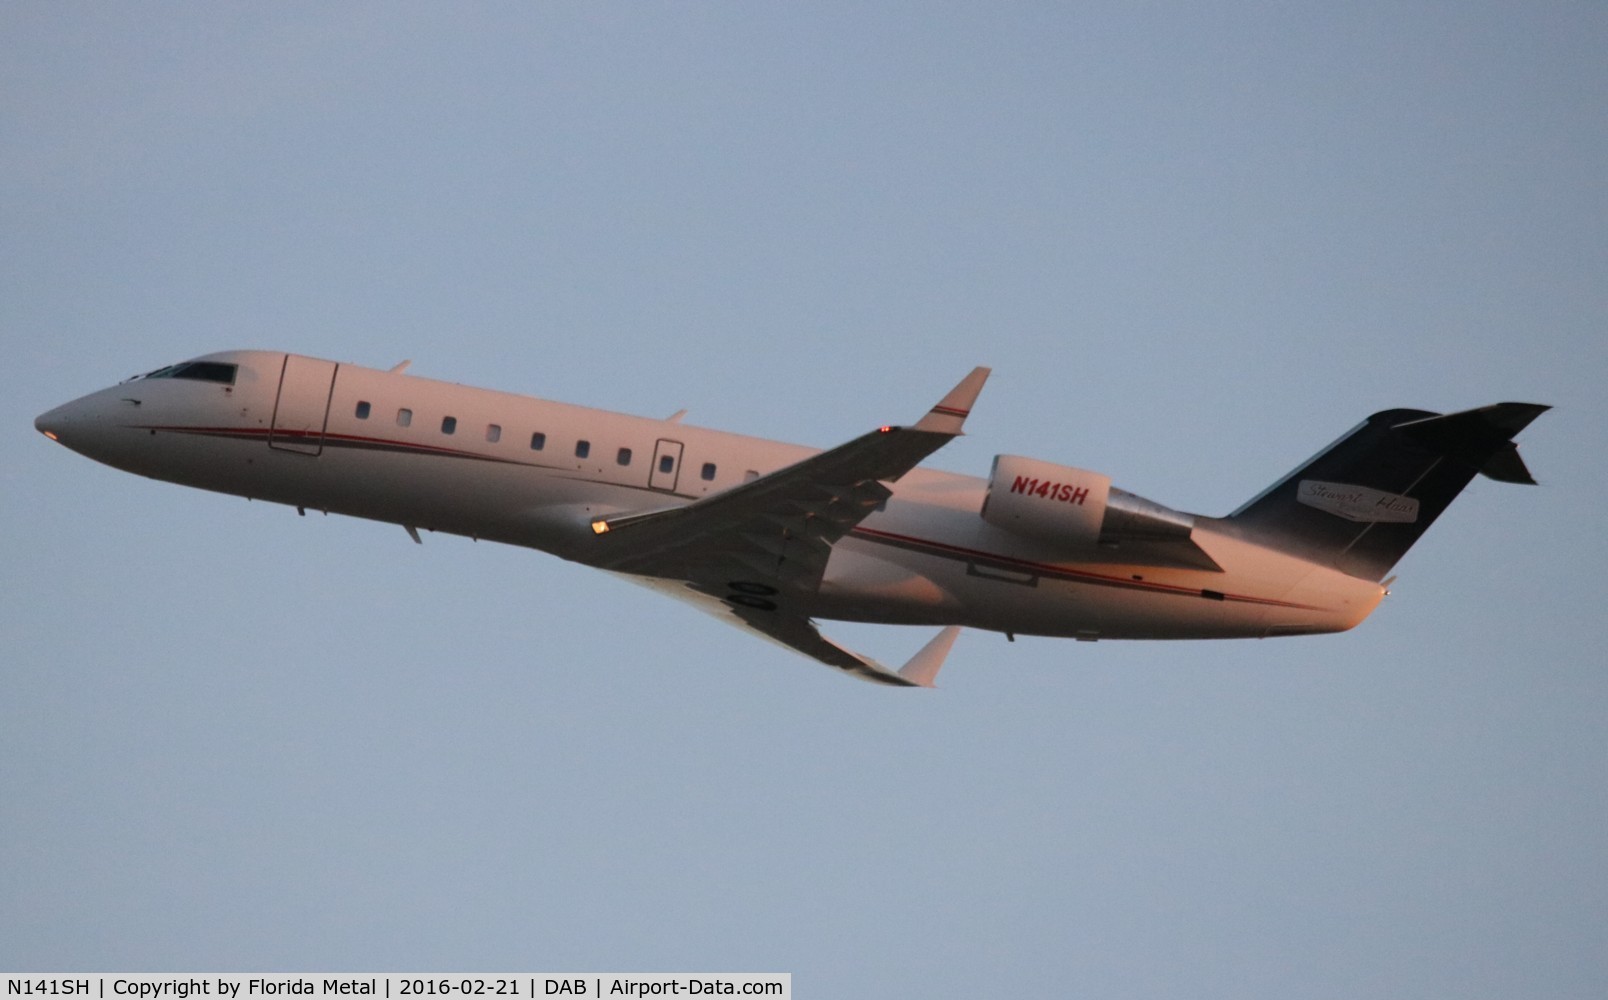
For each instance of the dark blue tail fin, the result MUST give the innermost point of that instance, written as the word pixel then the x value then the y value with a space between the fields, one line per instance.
pixel 1363 502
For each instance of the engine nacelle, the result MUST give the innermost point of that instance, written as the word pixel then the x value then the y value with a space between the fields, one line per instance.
pixel 1045 501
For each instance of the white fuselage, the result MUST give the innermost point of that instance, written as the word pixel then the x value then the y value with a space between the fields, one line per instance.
pixel 502 467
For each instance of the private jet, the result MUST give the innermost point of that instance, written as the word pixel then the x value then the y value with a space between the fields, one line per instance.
pixel 771 537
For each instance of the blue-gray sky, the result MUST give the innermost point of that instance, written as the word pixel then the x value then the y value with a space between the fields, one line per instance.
pixel 1195 245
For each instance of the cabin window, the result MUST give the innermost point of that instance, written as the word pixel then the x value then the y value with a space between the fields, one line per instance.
pixel 623 457
pixel 667 464
pixel 708 472
pixel 449 425
pixel 583 449
pixel 362 410
pixel 404 417
pixel 538 441
pixel 493 433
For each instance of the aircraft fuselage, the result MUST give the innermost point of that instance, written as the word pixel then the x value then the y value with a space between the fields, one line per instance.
pixel 436 456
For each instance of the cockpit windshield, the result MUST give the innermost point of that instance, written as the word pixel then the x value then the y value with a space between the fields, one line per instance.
pixel 200 371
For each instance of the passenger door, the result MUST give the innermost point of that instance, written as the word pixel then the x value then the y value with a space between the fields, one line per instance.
pixel 301 413
pixel 666 465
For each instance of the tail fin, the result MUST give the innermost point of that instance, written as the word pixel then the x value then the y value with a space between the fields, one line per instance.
pixel 1360 505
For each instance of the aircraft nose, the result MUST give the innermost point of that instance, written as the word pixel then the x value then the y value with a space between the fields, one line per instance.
pixel 98 426
pixel 81 425
pixel 53 423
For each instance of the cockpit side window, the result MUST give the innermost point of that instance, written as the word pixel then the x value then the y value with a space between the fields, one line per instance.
pixel 200 371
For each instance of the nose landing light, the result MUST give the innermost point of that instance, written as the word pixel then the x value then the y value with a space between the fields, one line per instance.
pixel 49 423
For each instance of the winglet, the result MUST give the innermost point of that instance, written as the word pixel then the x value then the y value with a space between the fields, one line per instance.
pixel 923 667
pixel 950 413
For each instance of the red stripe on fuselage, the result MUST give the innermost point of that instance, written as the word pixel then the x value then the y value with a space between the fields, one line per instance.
pixel 1046 569
pixel 334 440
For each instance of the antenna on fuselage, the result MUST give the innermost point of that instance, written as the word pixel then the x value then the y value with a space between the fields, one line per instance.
pixel 401 366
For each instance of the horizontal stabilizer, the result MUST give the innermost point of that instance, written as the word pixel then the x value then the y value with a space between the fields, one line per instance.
pixel 1507 467
pixel 1481 438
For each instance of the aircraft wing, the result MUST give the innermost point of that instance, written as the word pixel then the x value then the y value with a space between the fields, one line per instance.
pixel 761 548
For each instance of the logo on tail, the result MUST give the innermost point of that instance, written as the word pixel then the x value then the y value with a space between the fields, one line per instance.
pixel 1357 503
